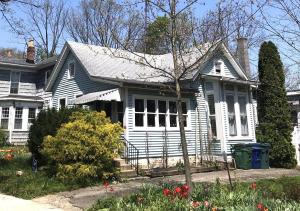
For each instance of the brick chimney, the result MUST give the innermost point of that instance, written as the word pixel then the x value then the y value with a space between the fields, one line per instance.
pixel 242 55
pixel 30 56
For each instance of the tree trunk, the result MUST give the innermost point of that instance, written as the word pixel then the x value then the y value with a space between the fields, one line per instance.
pixel 185 154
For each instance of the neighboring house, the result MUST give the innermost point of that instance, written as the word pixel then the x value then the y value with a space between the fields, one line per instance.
pixel 294 100
pixel 217 107
pixel 22 93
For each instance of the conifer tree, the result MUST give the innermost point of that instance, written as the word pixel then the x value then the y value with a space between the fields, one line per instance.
pixel 274 117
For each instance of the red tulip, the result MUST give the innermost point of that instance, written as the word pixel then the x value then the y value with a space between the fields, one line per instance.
pixel 185 188
pixel 177 190
pixel 206 204
pixel 166 192
pixel 253 186
pixel 105 184
pixel 260 206
pixel 196 203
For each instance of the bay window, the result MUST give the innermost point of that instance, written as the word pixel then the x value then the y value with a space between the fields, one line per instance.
pixel 156 113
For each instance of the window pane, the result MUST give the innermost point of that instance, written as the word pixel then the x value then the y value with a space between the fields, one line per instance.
pixel 14 87
pixel 72 69
pixel 173 120
pixel 213 126
pixel 211 104
pixel 151 106
pixel 162 106
pixel 62 103
pixel 172 107
pixel 162 120
pixel 151 120
pixel 18 118
pixel 184 109
pixel 231 114
pixel 31 113
pixel 120 106
pixel 4 123
pixel 139 105
pixel 139 120
pixel 5 112
pixel 243 112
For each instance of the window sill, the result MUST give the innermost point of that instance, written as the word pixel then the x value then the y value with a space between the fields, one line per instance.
pixel 149 129
pixel 240 138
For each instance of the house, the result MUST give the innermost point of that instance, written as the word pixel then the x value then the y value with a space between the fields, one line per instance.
pixel 294 100
pixel 22 93
pixel 217 100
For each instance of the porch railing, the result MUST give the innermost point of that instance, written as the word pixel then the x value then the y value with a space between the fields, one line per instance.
pixel 131 154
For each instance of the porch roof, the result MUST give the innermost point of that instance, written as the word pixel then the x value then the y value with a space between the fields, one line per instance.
pixel 107 95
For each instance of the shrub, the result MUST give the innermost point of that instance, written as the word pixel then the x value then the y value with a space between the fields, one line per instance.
pixel 84 148
pixel 3 138
pixel 46 123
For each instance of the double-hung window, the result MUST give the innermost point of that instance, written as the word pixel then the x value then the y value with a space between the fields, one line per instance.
pixel 231 114
pixel 18 118
pixel 158 113
pixel 211 107
pixel 14 82
pixel 4 118
pixel 139 112
pixel 243 115
pixel 31 116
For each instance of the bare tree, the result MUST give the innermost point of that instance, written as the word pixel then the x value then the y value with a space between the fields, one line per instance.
pixel 281 20
pixel 186 55
pixel 44 21
pixel 94 22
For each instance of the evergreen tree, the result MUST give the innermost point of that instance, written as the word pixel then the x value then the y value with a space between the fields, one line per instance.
pixel 275 125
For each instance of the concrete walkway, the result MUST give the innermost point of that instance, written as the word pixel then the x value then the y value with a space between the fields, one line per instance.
pixel 16 204
pixel 85 197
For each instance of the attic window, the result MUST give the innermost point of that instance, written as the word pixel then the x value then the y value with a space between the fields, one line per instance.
pixel 218 67
pixel 71 71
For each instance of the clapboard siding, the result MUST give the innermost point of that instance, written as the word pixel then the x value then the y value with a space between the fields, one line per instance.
pixel 161 141
pixel 4 82
pixel 229 71
pixel 67 88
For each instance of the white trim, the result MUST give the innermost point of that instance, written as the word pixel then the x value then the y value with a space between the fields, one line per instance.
pixel 58 102
pixel 15 82
pixel 68 70
pixel 157 128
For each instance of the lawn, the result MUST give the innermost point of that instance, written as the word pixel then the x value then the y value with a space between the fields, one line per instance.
pixel 30 184
pixel 264 195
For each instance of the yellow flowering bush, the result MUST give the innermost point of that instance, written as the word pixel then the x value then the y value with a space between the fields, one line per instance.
pixel 84 147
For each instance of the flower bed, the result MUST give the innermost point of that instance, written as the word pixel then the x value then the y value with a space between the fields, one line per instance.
pixel 214 197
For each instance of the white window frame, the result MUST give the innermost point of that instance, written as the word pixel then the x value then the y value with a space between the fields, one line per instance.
pixel 236 94
pixel 22 119
pixel 69 75
pixel 157 128
pixel 11 72
pixel 1 109
pixel 58 102
pixel 212 92
pixel 221 66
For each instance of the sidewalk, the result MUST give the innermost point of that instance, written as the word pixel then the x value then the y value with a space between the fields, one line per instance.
pixel 85 197
pixel 16 204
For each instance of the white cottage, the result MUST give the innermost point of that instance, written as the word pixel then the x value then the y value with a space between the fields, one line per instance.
pixel 218 105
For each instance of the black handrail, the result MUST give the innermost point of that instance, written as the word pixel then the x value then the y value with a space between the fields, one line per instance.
pixel 131 154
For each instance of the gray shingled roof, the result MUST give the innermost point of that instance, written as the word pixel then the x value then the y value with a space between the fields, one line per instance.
pixel 119 64
pixel 14 61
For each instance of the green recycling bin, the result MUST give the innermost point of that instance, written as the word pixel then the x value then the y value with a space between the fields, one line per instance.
pixel 242 155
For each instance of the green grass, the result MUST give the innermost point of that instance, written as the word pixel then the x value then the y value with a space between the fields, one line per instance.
pixel 30 184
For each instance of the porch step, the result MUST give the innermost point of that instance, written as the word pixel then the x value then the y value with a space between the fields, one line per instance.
pixel 128 173
pixel 125 168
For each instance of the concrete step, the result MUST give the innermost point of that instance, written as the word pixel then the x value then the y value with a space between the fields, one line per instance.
pixel 128 173
pixel 119 162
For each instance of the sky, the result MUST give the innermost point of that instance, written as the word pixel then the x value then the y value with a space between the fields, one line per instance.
pixel 8 39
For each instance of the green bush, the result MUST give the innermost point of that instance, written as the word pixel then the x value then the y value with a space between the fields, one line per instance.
pixel 46 123
pixel 3 138
pixel 84 148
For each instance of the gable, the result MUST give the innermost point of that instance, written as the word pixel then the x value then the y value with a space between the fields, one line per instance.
pixel 227 69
